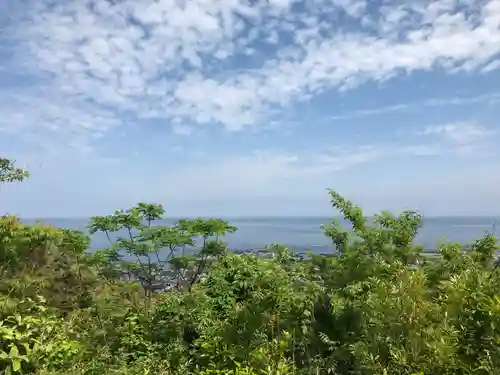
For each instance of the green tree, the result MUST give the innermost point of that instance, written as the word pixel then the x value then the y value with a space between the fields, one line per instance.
pixel 376 305
pixel 158 251
pixel 10 173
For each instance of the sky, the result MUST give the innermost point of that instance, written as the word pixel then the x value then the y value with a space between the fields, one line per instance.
pixel 251 107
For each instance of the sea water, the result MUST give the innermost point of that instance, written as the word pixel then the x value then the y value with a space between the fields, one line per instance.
pixel 305 233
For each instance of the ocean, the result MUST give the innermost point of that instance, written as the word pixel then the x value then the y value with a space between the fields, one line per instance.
pixel 304 233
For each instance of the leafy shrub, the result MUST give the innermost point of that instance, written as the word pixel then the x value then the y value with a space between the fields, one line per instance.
pixel 35 339
pixel 378 306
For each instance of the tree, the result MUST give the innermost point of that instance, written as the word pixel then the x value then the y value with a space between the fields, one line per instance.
pixel 154 249
pixel 10 173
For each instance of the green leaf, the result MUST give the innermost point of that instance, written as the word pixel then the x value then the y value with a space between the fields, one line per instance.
pixel 14 351
pixel 16 364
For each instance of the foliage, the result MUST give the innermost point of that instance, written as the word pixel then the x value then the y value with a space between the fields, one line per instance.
pixel 158 251
pixel 10 173
pixel 35 338
pixel 379 306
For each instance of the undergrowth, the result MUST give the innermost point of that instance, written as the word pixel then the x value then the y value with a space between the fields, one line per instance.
pixel 146 305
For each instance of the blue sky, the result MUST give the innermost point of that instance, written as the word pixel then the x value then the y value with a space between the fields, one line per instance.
pixel 251 107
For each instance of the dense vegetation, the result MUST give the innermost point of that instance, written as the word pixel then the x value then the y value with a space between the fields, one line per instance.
pixel 379 307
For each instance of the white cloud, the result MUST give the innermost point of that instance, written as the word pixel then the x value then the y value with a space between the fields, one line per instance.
pixel 339 159
pixel 180 129
pixel 463 138
pixel 460 134
pixel 263 173
pixel 491 98
pixel 432 149
pixel 166 59
pixel 494 65
pixel 54 122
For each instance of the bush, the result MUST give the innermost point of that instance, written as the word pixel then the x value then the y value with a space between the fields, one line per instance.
pixel 380 306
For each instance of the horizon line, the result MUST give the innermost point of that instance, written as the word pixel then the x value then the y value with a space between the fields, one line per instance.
pixel 496 217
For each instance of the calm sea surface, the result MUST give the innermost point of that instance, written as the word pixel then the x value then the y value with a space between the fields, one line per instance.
pixel 305 233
